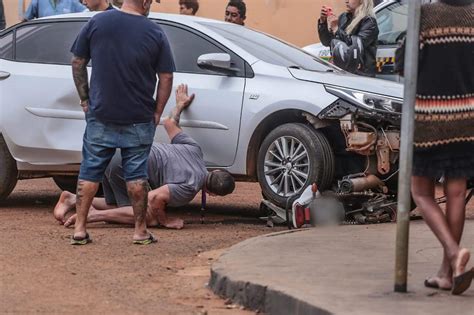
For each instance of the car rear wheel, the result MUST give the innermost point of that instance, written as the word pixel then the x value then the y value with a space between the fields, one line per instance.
pixel 8 170
pixel 292 157
pixel 68 183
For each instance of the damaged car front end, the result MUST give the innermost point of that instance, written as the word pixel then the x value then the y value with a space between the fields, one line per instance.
pixel 364 189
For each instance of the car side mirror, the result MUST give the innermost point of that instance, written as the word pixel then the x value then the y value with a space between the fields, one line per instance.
pixel 220 63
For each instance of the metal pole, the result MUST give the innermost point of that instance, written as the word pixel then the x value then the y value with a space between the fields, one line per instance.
pixel 406 146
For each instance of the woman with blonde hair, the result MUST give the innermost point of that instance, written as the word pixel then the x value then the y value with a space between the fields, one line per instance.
pixel 352 37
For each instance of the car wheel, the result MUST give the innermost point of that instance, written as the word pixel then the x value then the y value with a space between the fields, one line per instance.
pixel 292 157
pixel 8 170
pixel 68 183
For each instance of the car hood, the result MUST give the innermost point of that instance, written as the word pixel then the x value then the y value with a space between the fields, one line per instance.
pixel 351 81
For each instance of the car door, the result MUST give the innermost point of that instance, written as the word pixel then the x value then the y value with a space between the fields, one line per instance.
pixel 392 23
pixel 213 119
pixel 41 119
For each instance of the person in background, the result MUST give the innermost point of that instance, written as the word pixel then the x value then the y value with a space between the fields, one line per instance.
pixel 352 37
pixel 235 12
pixel 3 24
pixel 117 3
pixel 188 7
pixel 444 131
pixel 97 5
pixel 42 8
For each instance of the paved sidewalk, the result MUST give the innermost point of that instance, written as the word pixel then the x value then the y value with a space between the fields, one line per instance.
pixel 343 270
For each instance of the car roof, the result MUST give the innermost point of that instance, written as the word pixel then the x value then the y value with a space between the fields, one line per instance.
pixel 184 19
pixel 194 22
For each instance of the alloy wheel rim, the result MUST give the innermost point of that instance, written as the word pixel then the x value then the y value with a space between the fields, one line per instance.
pixel 286 166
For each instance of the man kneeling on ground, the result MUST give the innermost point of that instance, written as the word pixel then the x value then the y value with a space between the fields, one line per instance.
pixel 176 173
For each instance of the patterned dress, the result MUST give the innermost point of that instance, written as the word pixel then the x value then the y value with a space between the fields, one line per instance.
pixel 444 110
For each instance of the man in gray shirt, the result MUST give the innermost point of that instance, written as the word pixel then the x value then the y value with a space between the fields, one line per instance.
pixel 176 173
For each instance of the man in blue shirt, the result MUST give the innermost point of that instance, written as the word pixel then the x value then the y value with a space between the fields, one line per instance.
pixel 97 5
pixel 41 8
pixel 127 51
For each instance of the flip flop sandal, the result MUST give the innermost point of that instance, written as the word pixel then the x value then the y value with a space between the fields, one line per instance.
pixel 151 239
pixel 81 240
pixel 462 282
pixel 434 285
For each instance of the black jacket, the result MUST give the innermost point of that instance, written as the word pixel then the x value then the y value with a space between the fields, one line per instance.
pixel 355 53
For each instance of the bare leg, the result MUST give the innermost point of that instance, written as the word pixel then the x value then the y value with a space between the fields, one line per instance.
pixel 67 201
pixel 85 194
pixel 123 215
pixel 455 191
pixel 100 204
pixel 155 213
pixel 423 194
pixel 138 194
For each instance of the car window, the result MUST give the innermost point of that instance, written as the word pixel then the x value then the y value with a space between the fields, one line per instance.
pixel 6 46
pixel 187 46
pixel 392 23
pixel 268 48
pixel 47 42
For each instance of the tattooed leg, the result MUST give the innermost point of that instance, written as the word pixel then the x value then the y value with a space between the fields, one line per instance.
pixel 138 194
pixel 85 194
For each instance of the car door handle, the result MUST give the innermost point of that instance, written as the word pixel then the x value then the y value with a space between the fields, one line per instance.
pixel 4 75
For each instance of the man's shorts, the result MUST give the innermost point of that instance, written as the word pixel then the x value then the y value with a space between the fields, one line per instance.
pixel 114 185
pixel 101 141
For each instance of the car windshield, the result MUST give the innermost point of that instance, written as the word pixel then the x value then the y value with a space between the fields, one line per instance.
pixel 270 49
pixel 392 23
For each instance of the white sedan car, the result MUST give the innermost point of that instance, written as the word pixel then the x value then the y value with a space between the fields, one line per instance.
pixel 255 113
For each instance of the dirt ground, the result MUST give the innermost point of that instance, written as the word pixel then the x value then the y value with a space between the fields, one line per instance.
pixel 41 273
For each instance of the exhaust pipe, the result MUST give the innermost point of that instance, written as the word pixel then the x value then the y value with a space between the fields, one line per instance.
pixel 360 184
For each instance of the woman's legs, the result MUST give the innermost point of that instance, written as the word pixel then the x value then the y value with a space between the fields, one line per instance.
pixel 455 191
pixel 423 194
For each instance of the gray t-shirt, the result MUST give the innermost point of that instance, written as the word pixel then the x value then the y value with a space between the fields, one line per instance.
pixel 179 165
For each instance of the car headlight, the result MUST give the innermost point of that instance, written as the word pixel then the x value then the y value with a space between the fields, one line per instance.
pixel 366 100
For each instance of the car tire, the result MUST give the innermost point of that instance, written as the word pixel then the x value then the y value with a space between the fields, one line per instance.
pixel 284 173
pixel 67 183
pixel 8 170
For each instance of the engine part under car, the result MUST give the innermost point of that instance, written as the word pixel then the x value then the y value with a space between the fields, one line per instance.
pixel 361 195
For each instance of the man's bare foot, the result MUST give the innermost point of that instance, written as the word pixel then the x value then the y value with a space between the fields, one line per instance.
pixel 66 203
pixel 92 216
pixel 70 221
pixel 174 223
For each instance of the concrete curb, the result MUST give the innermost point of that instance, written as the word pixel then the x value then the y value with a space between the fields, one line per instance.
pixel 343 270
pixel 258 297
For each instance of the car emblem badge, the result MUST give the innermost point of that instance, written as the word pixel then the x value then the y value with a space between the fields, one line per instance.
pixel 254 96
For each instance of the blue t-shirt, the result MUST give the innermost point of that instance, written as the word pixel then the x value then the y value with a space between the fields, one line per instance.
pixel 127 51
pixel 41 8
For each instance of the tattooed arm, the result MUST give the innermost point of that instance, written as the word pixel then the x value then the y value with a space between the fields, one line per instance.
pixel 79 73
pixel 183 100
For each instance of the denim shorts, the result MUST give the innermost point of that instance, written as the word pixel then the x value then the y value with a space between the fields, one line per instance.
pixel 101 141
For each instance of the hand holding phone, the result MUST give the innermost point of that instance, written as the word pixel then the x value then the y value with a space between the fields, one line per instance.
pixel 324 14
